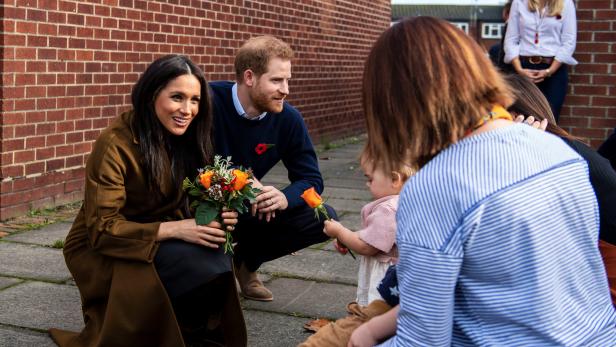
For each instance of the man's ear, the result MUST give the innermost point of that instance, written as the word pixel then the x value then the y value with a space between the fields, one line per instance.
pixel 249 77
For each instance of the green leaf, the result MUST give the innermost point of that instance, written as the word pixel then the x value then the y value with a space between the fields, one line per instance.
pixel 205 214
pixel 194 192
pixel 186 183
pixel 194 204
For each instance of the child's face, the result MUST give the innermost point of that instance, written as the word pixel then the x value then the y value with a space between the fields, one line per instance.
pixel 379 183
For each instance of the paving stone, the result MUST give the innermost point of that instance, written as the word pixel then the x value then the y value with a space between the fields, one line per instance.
pixel 8 281
pixel 45 236
pixel 362 194
pixel 315 265
pixel 267 329
pixel 340 182
pixel 13 337
pixel 40 305
pixel 343 205
pixel 351 220
pixel 306 298
pixel 30 261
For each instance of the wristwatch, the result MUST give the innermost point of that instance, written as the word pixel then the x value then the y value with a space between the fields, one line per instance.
pixel 548 72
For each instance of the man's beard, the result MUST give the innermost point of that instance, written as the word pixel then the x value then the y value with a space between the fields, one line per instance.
pixel 264 103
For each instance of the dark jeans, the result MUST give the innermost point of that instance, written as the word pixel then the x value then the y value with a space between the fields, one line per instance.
pixel 259 241
pixel 554 87
pixel 608 149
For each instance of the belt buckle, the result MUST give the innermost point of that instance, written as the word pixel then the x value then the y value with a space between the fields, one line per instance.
pixel 535 59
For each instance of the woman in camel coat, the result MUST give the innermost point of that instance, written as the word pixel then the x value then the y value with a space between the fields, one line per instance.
pixel 147 275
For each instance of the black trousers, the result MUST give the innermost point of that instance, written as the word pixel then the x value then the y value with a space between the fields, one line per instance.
pixel 554 87
pixel 259 241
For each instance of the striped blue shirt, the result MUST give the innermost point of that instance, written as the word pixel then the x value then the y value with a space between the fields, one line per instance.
pixel 498 247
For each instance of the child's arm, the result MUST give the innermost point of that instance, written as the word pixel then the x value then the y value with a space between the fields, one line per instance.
pixel 350 239
pixel 376 329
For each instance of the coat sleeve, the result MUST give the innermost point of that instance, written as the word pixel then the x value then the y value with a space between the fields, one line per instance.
pixel 109 231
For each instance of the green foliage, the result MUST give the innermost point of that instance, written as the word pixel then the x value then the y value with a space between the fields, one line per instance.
pixel 58 244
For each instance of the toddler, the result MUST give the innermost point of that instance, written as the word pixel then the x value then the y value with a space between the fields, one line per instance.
pixel 375 242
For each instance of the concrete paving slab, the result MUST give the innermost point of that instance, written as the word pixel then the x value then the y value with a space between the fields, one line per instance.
pixel 340 182
pixel 362 194
pixel 39 305
pixel 267 329
pixel 343 205
pixel 13 337
pixel 33 262
pixel 315 265
pixel 351 220
pixel 45 236
pixel 306 298
pixel 8 281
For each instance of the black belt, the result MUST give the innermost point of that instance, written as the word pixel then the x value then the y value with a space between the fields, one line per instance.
pixel 536 59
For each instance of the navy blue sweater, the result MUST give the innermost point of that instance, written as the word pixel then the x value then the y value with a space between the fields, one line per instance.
pixel 238 137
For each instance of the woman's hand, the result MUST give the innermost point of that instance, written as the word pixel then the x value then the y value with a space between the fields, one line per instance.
pixel 210 235
pixel 229 218
pixel 530 120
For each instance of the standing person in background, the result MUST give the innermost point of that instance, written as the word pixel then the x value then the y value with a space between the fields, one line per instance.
pixel 478 265
pixel 148 275
pixel 256 127
pixel 497 51
pixel 540 40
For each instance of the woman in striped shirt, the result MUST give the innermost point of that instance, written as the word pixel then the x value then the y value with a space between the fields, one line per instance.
pixel 497 231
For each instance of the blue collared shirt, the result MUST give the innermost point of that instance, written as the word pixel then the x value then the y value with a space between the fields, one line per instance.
pixel 499 247
pixel 240 109
pixel 557 34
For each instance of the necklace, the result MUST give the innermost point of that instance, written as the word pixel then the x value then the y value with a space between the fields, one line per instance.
pixel 498 112
pixel 540 16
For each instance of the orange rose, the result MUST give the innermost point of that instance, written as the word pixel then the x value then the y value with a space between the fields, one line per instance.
pixel 206 178
pixel 312 198
pixel 240 180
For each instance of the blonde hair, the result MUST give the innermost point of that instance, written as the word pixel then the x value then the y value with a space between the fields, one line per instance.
pixel 425 84
pixel 555 7
pixel 256 53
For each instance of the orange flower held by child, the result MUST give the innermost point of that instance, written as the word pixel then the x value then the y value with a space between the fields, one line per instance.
pixel 312 198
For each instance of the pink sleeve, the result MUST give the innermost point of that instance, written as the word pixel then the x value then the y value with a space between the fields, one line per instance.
pixel 380 230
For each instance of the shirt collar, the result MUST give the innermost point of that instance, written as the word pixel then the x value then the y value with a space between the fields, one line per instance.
pixel 240 109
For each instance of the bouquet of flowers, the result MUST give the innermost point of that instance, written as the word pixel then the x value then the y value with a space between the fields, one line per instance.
pixel 314 201
pixel 219 186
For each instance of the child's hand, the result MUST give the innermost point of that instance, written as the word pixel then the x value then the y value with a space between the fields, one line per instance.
pixel 332 228
pixel 340 249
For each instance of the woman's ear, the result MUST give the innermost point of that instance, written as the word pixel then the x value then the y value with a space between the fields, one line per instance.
pixel 396 180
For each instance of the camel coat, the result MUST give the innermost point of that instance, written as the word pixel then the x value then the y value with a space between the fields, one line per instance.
pixel 110 251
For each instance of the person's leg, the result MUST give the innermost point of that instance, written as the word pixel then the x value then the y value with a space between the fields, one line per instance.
pixel 259 241
pixel 555 89
pixel 338 333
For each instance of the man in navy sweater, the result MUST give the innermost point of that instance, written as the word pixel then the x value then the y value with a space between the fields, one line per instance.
pixel 254 126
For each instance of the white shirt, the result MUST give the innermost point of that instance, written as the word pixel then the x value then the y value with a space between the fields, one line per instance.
pixel 240 109
pixel 557 36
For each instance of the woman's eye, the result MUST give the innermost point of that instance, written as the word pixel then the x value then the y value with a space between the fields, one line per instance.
pixel 176 97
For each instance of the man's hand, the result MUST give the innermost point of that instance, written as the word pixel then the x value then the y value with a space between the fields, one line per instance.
pixel 268 202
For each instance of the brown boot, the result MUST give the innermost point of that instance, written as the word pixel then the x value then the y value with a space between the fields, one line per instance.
pixel 251 286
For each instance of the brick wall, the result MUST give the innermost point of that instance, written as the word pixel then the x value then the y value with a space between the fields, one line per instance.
pixel 68 68
pixel 590 106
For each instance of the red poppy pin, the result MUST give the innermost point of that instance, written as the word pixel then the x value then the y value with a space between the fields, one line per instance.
pixel 263 147
pixel 558 17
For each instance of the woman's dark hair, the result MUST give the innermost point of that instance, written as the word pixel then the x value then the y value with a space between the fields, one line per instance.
pixel 530 101
pixel 166 155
